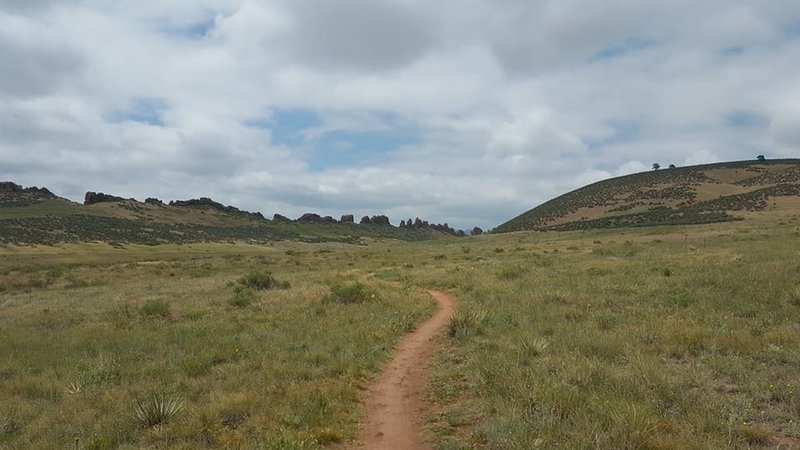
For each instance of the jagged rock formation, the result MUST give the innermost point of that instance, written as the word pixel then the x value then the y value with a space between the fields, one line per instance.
pixel 418 224
pixel 11 187
pixel 310 217
pixel 92 198
pixel 380 220
pixel 281 219
pixel 12 194
pixel 477 231
pixel 153 201
pixel 348 218
pixel 207 203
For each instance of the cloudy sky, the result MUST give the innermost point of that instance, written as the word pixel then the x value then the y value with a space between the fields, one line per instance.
pixel 468 111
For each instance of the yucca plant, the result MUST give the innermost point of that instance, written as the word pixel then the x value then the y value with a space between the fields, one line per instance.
pixel 793 295
pixel 464 324
pixel 532 347
pixel 156 410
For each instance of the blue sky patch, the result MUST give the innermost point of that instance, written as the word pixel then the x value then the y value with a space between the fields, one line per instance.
pixel 731 52
pixel 144 110
pixel 196 30
pixel 304 129
pixel 746 119
pixel 793 29
pixel 288 125
pixel 631 44
pixel 343 148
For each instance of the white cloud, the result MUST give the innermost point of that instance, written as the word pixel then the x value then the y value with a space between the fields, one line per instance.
pixel 507 107
pixel 701 157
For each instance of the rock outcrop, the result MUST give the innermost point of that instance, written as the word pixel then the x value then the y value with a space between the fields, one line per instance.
pixel 13 188
pixel 92 198
pixel 207 203
pixel 310 218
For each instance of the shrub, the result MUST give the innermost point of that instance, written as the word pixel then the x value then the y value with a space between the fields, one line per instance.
pixel 511 272
pixel 260 281
pixel 242 297
pixel 156 410
pixel 154 307
pixel 347 293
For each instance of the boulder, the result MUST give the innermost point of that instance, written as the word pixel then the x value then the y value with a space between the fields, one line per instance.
pixel 310 217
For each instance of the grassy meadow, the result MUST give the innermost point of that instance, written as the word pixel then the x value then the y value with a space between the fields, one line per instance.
pixel 657 338
pixel 180 347
pixel 664 338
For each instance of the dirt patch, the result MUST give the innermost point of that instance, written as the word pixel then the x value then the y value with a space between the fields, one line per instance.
pixel 786 443
pixel 395 408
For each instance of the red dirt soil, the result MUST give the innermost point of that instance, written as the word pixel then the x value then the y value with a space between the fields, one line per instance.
pixel 395 407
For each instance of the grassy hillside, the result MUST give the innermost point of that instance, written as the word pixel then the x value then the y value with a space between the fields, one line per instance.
pixel 685 195
pixel 34 217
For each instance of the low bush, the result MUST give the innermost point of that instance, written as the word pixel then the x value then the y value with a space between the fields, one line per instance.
pixel 347 293
pixel 242 297
pixel 154 307
pixel 260 281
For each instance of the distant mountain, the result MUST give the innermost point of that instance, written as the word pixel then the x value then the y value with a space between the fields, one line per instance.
pixel 684 195
pixel 37 216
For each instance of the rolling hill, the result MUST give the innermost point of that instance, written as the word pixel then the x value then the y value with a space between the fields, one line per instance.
pixel 37 216
pixel 686 195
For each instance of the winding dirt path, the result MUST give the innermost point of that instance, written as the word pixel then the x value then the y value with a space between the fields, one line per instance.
pixel 395 407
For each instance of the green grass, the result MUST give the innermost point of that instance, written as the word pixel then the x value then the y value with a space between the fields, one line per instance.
pixel 610 350
pixel 107 362
pixel 669 337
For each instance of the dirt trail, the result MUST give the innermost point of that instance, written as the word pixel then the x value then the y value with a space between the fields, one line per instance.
pixel 395 407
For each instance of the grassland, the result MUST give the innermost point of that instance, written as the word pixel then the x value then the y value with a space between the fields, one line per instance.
pixel 655 338
pixel 660 339
pixel 86 333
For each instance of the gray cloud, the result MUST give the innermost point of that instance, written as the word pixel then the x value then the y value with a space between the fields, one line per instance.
pixel 358 34
pixel 508 103
pixel 26 6
pixel 34 66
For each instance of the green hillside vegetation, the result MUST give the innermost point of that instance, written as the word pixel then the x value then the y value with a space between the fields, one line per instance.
pixel 34 217
pixel 686 195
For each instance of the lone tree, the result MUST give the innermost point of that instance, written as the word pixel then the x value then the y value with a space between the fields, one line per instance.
pixel 761 158
pixel 656 166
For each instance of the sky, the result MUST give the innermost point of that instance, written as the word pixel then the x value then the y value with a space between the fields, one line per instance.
pixel 467 112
